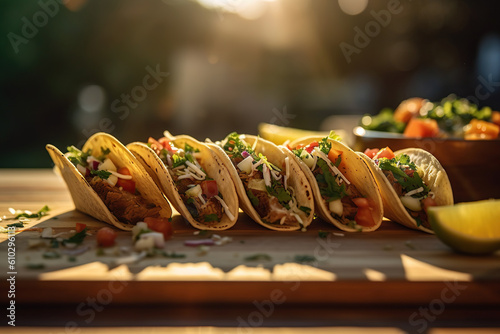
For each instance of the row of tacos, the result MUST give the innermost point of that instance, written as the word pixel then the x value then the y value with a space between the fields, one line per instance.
pixel 280 187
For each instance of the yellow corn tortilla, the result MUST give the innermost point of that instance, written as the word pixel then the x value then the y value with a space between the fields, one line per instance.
pixel 434 176
pixel 356 172
pixel 86 199
pixel 297 181
pixel 212 166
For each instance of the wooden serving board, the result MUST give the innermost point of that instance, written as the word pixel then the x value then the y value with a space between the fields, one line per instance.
pixel 393 265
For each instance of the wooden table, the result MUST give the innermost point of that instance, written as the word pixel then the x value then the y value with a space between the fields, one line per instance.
pixel 393 279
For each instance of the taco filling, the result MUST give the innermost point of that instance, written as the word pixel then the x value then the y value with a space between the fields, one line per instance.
pixel 198 191
pixel 266 185
pixel 405 178
pixel 115 186
pixel 344 201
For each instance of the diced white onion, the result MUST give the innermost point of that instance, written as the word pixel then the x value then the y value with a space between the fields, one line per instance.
pixel 245 165
pixel 107 165
pixel 411 203
pixel 112 179
pixel 336 207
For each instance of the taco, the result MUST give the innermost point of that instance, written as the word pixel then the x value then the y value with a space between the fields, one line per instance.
pixel 345 192
pixel 271 187
pixel 192 178
pixel 108 183
pixel 410 181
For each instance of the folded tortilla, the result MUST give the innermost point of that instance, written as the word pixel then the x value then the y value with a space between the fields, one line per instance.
pixel 87 200
pixel 355 171
pixel 296 180
pixel 212 166
pixel 434 176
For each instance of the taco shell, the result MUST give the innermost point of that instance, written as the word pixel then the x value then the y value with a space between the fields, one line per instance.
pixel 356 172
pixel 434 176
pixel 210 163
pixel 86 199
pixel 297 181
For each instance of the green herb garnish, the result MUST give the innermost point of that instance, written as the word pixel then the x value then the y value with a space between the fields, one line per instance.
pixel 77 238
pixel 18 224
pixel 305 209
pixel 323 234
pixel 78 157
pixel 212 217
pixel 304 258
pixel 39 214
pixel 103 174
pixel 258 257
pixel 327 183
pixel 253 198
pixel 173 255
pixel 397 166
pixel 51 255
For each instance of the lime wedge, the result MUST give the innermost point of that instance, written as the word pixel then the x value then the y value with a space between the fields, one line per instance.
pixel 280 134
pixel 471 228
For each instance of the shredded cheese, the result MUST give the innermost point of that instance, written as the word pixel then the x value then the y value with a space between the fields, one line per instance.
pixel 226 208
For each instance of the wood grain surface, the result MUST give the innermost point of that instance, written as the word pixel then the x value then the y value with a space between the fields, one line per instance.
pixel 385 268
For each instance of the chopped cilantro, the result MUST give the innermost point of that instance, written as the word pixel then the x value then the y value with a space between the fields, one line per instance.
pixel 39 214
pixel 304 258
pixel 258 257
pixel 277 190
pixel 77 238
pixel 51 255
pixel 323 234
pixel 306 210
pixel 35 266
pixel 328 186
pixel 234 146
pixel 189 148
pixel 54 243
pixel 253 198
pixel 78 157
pixel 18 224
pixel 212 217
pixel 325 145
pixel 397 166
pixel 103 174
pixel 173 255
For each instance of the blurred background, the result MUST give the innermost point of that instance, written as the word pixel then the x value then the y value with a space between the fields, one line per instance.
pixel 209 67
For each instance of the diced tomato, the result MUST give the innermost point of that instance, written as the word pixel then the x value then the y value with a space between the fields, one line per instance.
pixel 106 237
pixel 333 155
pixel 477 129
pixel 361 202
pixel 311 146
pixel 495 117
pixel 386 152
pixel 371 152
pixel 408 109
pixel 80 227
pixel 420 128
pixel 155 145
pixel 364 217
pixel 427 202
pixel 299 146
pixel 165 142
pixel 162 225
pixel 127 185
pixel 209 188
